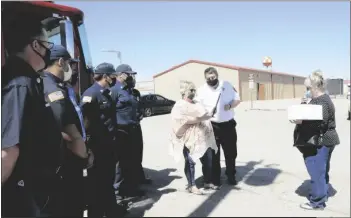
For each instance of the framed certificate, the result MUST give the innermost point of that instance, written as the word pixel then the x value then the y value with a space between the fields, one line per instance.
pixel 305 112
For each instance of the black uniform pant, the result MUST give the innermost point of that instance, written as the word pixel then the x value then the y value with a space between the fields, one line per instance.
pixel 128 152
pixel 101 176
pixel 225 134
pixel 73 189
pixel 39 199
pixel 18 202
pixel 140 151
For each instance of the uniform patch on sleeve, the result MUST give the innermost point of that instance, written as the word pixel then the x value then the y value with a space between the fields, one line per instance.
pixel 86 99
pixel 55 96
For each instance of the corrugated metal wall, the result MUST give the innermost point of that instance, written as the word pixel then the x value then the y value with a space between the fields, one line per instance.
pixel 278 86
pixel 168 84
pixel 335 86
pixel 259 78
pixel 275 86
pixel 299 87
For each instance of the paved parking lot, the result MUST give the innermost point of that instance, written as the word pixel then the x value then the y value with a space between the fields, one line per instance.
pixel 271 173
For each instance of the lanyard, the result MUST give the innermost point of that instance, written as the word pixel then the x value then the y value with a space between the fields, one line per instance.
pixel 79 112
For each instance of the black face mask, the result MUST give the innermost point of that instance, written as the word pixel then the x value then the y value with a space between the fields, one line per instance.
pixel 113 83
pixel 46 57
pixel 130 82
pixel 212 82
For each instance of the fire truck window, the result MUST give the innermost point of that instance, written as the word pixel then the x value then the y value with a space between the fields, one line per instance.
pixel 85 45
pixel 55 36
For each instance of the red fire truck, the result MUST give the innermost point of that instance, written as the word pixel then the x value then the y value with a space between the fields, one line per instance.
pixel 65 26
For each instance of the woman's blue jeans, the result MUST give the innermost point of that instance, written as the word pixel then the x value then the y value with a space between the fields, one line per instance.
pixel 189 168
pixel 317 162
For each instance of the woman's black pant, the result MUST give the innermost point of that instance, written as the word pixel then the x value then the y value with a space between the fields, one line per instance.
pixel 189 169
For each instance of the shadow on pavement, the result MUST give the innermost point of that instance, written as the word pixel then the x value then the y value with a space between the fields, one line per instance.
pixel 262 176
pixel 160 179
pixel 304 189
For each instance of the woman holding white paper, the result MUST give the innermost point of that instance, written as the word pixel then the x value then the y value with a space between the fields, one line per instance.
pixel 316 140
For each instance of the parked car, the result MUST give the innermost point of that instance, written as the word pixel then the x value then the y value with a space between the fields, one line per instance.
pixel 155 104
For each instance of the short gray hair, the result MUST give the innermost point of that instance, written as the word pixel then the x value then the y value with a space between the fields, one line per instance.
pixel 316 80
pixel 185 87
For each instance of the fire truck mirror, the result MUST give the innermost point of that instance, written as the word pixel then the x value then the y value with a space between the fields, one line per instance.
pixel 67 36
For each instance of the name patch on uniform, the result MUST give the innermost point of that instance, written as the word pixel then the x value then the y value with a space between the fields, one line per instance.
pixel 55 96
pixel 86 99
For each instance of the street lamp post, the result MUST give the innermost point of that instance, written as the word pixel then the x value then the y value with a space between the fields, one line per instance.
pixel 118 53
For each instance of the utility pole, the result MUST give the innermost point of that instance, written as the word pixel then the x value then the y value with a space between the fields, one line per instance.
pixel 118 53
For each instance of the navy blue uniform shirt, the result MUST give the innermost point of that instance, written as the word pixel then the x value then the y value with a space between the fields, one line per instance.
pixel 99 108
pixel 56 93
pixel 127 105
pixel 28 122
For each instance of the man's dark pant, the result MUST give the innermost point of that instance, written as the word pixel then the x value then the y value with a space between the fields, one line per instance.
pixel 31 200
pixel 73 187
pixel 101 177
pixel 19 202
pixel 189 168
pixel 225 134
pixel 139 151
pixel 129 153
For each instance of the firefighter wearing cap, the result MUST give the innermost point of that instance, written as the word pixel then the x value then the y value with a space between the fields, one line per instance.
pixel 77 156
pixel 129 135
pixel 98 109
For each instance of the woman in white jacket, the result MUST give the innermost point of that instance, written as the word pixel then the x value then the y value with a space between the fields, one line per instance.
pixel 192 135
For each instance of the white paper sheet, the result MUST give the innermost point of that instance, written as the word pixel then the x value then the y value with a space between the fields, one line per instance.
pixel 305 112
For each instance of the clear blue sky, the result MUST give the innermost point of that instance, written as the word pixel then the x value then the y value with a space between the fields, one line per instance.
pixel 154 36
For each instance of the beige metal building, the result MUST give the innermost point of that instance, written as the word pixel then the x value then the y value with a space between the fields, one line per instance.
pixel 145 87
pixel 267 85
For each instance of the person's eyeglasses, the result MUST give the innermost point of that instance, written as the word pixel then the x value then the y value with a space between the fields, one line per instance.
pixel 49 45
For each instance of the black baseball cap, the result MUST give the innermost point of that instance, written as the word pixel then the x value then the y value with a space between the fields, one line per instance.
pixel 58 51
pixel 105 68
pixel 125 68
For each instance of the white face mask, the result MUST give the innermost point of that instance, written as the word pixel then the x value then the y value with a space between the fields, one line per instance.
pixel 67 74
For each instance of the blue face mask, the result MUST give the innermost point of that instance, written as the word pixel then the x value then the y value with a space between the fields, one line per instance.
pixel 308 94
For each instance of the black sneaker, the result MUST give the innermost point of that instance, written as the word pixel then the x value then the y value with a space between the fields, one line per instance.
pixel 216 186
pixel 135 193
pixel 232 181
pixel 121 210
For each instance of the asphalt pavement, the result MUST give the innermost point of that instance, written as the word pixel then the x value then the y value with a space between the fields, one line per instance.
pixel 272 177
